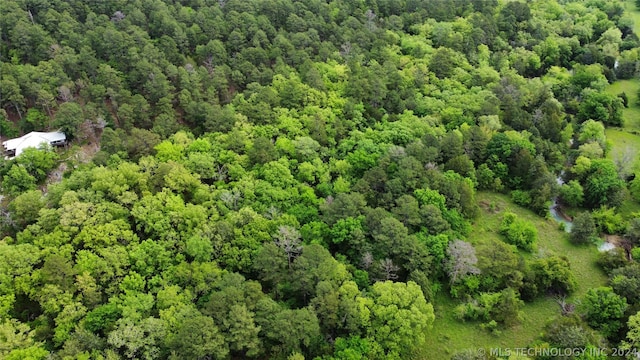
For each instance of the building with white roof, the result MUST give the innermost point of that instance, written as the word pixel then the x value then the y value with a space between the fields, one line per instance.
pixel 14 147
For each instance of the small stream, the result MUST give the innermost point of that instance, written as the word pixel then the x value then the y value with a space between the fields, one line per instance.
pixel 556 212
pixel 557 215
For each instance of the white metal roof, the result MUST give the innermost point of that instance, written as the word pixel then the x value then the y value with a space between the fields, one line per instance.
pixel 33 139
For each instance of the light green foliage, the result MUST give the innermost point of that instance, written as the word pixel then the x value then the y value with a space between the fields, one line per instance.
pixel 30 353
pixel 503 308
pixel 572 193
pixel 38 162
pixel 591 150
pixel 592 131
pixel 167 150
pixel 18 263
pixel 66 321
pixel 603 186
pixel 518 232
pixel 589 76
pixel 25 207
pixel 14 336
pixel 604 310
pixel 606 220
pixel 139 340
pixel 400 317
pixel 551 274
pixel 166 213
pixel 356 348
pixel 582 166
pixel 633 335
pixel 18 180
pixel 522 198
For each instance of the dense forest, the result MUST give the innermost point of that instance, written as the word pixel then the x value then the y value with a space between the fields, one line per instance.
pixel 253 179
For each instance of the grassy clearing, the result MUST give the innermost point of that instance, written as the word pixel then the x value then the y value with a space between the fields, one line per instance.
pixel 628 208
pixel 631 86
pixel 449 333
pixel 626 138
pixel 550 238
pixel 631 114
pixel 623 142
pixel 630 8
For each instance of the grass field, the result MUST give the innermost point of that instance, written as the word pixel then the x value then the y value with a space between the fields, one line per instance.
pixel 621 142
pixel 630 7
pixel 631 114
pixel 625 139
pixel 449 333
pixel 631 86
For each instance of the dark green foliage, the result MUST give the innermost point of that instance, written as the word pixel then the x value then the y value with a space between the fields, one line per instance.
pixel 625 282
pixel 7 128
pixel 34 120
pixel 623 96
pixel 102 319
pixel 198 337
pixel 570 332
pixel 513 17
pixel 262 151
pixel 68 119
pixel 612 259
pixel 501 266
pixel 633 231
pixel 584 229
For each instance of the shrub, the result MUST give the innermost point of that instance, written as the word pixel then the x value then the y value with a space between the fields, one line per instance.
pixel 583 230
pixel 518 232
pixel 612 259
pixel 606 220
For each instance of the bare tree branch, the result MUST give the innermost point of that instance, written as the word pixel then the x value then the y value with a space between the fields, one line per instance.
pixel 388 269
pixel 461 260
pixel 288 239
